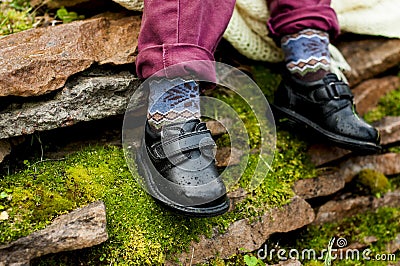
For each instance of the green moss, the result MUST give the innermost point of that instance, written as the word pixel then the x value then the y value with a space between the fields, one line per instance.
pixel 141 231
pixel 290 164
pixel 395 181
pixel 19 15
pixel 245 114
pixel 395 149
pixel 15 16
pixel 290 159
pixel 37 195
pixel 223 141
pixel 267 80
pixel 373 181
pixel 82 178
pixel 388 106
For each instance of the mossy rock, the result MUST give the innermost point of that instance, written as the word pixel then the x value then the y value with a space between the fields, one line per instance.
pixel 372 181
pixel 141 231
pixel 387 106
pixel 382 224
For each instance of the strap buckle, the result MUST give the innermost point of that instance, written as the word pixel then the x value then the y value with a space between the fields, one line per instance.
pixel 333 91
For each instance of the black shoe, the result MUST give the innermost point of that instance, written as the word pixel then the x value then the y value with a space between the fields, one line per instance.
pixel 326 107
pixel 180 171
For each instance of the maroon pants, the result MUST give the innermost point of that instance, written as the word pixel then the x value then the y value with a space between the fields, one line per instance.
pixel 178 31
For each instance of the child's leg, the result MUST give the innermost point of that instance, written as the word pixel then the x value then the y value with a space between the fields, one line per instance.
pixel 302 28
pixel 176 31
pixel 309 95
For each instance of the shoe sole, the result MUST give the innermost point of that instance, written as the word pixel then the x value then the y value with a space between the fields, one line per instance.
pixel 344 142
pixel 189 211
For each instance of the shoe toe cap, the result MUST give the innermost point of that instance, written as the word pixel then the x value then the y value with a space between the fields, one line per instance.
pixel 356 128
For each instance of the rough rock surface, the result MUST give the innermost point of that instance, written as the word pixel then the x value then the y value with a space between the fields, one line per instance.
pixel 393 245
pixel 337 210
pixel 344 172
pixel 319 186
pixel 387 164
pixel 250 236
pixel 368 93
pixel 227 156
pixel 89 96
pixel 236 196
pixel 389 128
pixel 38 61
pixel 84 227
pixel 370 57
pixel 5 149
pixel 324 153
pixel 219 127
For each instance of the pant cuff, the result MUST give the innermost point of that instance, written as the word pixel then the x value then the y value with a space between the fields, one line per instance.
pixel 176 60
pixel 317 17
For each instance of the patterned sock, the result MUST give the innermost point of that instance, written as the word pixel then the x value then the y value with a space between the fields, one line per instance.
pixel 172 101
pixel 306 54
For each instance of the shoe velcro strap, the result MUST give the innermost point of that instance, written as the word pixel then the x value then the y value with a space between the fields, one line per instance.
pixel 164 165
pixel 332 91
pixel 183 143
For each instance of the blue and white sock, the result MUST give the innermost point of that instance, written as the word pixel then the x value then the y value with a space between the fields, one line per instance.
pixel 172 101
pixel 306 54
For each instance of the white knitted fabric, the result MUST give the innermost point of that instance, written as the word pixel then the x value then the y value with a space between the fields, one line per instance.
pixel 247 30
pixel 370 17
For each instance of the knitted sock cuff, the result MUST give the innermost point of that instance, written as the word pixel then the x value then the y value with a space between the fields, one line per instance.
pixel 306 52
pixel 173 101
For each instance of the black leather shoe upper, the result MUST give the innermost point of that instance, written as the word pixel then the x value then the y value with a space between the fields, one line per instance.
pixel 327 103
pixel 183 156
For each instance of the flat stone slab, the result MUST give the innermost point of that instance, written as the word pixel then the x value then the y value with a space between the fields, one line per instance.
pixel 319 186
pixel 89 96
pixel 81 228
pixel 387 163
pixel 38 61
pixel 344 172
pixel 249 236
pixel 389 128
pixel 368 93
pixel 321 154
pixel 337 210
pixel 219 127
pixel 370 57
